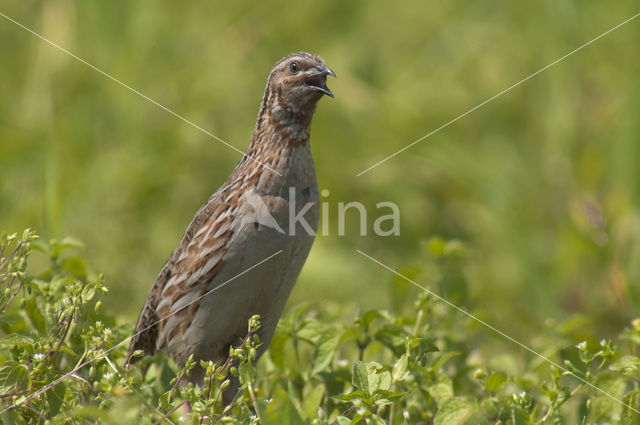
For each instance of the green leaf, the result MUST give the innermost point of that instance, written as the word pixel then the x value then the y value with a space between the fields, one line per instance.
pixel 277 349
pixel 35 315
pixel 343 420
pixel 12 321
pixel 312 402
pixel 326 349
pixel 297 312
pixel 55 397
pixel 603 408
pixel 382 397
pixel 281 411
pixel 360 376
pixel 442 390
pixel 629 417
pixel 442 359
pixel 454 411
pixel 67 242
pixel 293 398
pixel 519 416
pixel 392 336
pixel 76 266
pixel 379 381
pixel 368 377
pixel 377 420
pixel 628 365
pixel 13 376
pixel 59 282
pixel 401 368
pixel 495 381
pixel 17 340
pixel 390 394
pixel 88 292
pixel 357 419
pixel 247 372
pixel 353 395
pixel 368 317
pixel 421 347
pixel 310 331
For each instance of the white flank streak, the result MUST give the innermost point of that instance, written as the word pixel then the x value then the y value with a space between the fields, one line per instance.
pixel 221 230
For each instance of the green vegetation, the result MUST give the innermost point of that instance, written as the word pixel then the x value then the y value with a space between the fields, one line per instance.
pixel 525 212
pixel 327 364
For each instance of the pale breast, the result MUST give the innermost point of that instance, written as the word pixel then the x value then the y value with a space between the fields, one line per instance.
pixel 276 219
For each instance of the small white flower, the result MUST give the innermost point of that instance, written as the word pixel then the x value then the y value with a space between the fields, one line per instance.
pixel 342 362
pixel 108 375
pixel 38 356
pixel 582 345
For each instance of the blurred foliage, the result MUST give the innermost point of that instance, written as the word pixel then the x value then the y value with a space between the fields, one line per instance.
pixel 61 354
pixel 541 185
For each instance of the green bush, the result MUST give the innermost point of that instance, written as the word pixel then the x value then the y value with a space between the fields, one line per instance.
pixel 61 360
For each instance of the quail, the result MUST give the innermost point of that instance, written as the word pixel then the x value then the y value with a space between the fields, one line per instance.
pixel 268 208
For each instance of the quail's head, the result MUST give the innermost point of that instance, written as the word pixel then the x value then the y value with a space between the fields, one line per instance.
pixel 299 80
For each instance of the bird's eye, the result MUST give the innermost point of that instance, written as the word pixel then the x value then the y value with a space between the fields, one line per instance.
pixel 294 67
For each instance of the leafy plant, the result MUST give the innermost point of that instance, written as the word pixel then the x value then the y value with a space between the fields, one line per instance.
pixel 60 358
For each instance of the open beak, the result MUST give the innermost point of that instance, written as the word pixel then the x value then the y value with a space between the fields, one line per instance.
pixel 318 80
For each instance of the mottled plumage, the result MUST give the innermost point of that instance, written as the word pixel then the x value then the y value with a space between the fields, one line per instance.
pixel 231 232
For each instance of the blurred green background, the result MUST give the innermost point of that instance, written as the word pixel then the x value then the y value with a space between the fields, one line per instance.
pixel 541 185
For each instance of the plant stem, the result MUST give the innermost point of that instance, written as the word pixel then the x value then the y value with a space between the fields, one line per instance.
pixel 253 399
pixel 13 254
pixel 166 415
pixel 12 297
